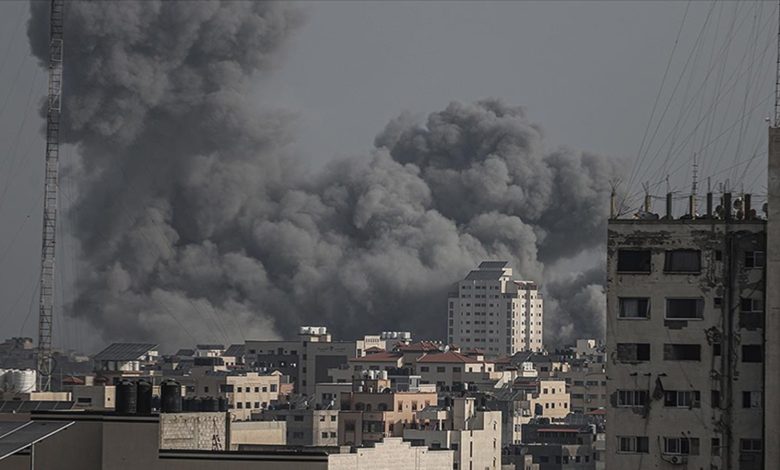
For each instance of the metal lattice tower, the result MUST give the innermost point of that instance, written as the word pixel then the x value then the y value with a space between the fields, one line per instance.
pixel 51 182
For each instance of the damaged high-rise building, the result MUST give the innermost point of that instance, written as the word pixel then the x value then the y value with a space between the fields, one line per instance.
pixel 689 300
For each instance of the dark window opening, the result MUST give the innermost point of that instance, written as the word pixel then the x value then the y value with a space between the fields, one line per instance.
pixel 682 352
pixel 633 352
pixel 683 261
pixel 752 353
pixel 634 261
pixel 684 309
pixel 755 259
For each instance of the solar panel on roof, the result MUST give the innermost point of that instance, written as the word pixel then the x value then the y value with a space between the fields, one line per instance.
pixel 124 351
pixel 28 434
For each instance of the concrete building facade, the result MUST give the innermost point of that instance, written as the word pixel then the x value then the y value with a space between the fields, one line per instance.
pixel 685 342
pixel 473 435
pixel 491 311
pixel 772 325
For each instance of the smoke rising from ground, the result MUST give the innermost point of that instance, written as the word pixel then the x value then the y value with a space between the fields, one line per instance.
pixel 195 223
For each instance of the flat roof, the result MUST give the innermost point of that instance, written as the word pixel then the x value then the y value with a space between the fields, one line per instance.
pixel 124 351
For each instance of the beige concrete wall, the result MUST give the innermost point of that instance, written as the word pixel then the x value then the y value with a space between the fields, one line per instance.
pixel 257 433
pixel 192 431
pixel 392 454
pixel 94 397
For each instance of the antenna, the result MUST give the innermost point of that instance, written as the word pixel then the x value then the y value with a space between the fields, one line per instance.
pixel 695 184
pixel 51 182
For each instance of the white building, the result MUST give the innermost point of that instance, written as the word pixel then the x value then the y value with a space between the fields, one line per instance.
pixel 495 313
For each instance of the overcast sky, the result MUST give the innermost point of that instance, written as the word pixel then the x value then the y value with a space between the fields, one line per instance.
pixel 588 72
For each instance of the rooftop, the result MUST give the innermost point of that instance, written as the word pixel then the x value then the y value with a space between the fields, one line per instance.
pixel 422 346
pixel 124 351
pixel 447 357
pixel 235 350
pixel 493 265
pixel 383 356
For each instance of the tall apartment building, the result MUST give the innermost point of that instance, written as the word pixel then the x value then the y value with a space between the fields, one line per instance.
pixel 495 313
pixel 772 322
pixel 685 340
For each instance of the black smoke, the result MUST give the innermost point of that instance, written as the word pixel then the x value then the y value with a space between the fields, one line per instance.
pixel 195 222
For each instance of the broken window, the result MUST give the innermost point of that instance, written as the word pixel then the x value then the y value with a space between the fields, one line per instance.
pixel 683 261
pixel 751 399
pixel 752 353
pixel 631 352
pixel 684 309
pixel 633 261
pixel 634 307
pixel 682 352
pixel 754 259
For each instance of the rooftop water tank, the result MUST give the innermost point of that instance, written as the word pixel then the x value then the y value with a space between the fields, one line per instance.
pixel 143 403
pixel 170 397
pixel 126 397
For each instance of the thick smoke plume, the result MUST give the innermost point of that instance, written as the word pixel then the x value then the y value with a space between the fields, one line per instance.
pixel 196 224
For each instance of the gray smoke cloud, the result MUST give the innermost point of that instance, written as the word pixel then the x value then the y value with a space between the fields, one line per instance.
pixel 195 222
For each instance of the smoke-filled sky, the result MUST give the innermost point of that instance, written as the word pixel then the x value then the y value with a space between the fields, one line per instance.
pixel 235 170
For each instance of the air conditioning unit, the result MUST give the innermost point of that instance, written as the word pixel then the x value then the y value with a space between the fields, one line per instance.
pixel 678 460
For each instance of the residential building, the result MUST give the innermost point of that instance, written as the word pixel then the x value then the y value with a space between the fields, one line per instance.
pixel 474 435
pixel 491 311
pixel 527 398
pixel 126 360
pixel 685 338
pixel 587 385
pixel 308 359
pixel 373 411
pixel 556 446
pixel 772 320
pixel 245 392
pixel 309 426
pixel 452 370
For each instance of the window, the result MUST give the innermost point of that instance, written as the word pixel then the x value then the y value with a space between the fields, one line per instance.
pixel 752 353
pixel 332 434
pixel 257 404
pixel 682 352
pixel 633 261
pixel 333 419
pixel 298 418
pixel 238 389
pixel 273 387
pixel 715 446
pixel 681 399
pixel 684 309
pixel 631 398
pixel 681 445
pixel 632 352
pixel 750 445
pixel 324 435
pixel 322 418
pixel 239 405
pixel 751 399
pixel 440 369
pixel 715 398
pixel 456 369
pixel 634 307
pixel 755 259
pixel 751 305
pixel 633 444
pixel 683 261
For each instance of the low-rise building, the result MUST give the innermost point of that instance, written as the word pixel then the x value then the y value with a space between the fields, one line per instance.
pixel 245 393
pixel 305 426
pixel 473 435
pixel 392 453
